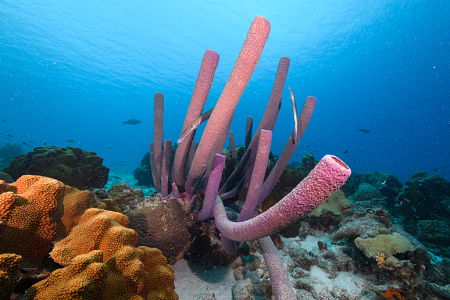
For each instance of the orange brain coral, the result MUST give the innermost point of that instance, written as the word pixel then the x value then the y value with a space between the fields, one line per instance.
pixel 97 229
pixel 75 204
pixel 33 218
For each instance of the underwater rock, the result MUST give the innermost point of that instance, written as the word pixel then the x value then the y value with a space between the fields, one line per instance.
pixel 388 185
pixel 423 197
pixel 6 178
pixel 435 235
pixel 8 152
pixel 73 166
pixel 143 174
pixel 125 196
pixel 368 196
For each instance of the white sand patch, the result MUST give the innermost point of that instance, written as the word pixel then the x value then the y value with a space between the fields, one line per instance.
pixel 193 282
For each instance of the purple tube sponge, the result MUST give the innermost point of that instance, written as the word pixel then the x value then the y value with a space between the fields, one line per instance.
pixel 328 176
pixel 213 187
pixel 245 65
pixel 281 287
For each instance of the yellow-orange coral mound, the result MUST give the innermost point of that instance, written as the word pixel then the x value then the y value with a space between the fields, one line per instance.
pixel 97 229
pixel 132 273
pixel 9 274
pixel 139 271
pixel 76 202
pixel 33 218
pixel 84 278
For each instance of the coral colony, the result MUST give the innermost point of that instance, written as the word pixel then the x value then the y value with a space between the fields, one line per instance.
pixel 203 163
pixel 99 248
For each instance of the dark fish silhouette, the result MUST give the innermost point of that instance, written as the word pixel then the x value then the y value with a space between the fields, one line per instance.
pixel 70 141
pixel 3 121
pixel 365 130
pixel 131 122
pixel 8 135
pixel 346 151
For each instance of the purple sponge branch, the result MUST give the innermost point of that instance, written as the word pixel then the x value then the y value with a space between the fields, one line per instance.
pixel 282 162
pixel 213 187
pixel 257 178
pixel 328 176
pixel 165 168
pixel 201 90
pixel 267 122
pixel 281 287
pixel 155 175
pixel 233 151
pixel 248 132
pixel 259 170
pixel 243 69
pixel 158 121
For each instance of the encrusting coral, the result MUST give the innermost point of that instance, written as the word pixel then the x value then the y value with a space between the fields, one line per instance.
pixel 336 203
pixel 33 218
pixel 386 244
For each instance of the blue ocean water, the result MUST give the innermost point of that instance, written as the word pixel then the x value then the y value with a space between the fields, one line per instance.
pixel 75 70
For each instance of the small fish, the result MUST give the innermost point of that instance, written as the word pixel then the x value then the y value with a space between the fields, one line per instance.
pixel 193 126
pixel 8 135
pixel 414 210
pixel 435 170
pixel 45 143
pixel 406 200
pixel 131 122
pixel 361 150
pixel 109 147
pixel 122 161
pixel 445 167
pixel 27 145
pixel 30 142
pixel 70 141
pixel 294 109
pixel 3 121
pixel 365 130
pixel 346 151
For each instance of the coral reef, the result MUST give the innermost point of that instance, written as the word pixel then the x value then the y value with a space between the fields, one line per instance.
pixel 73 166
pixel 33 217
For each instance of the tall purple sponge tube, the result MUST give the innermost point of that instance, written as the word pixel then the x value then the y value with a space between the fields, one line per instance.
pixel 328 176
